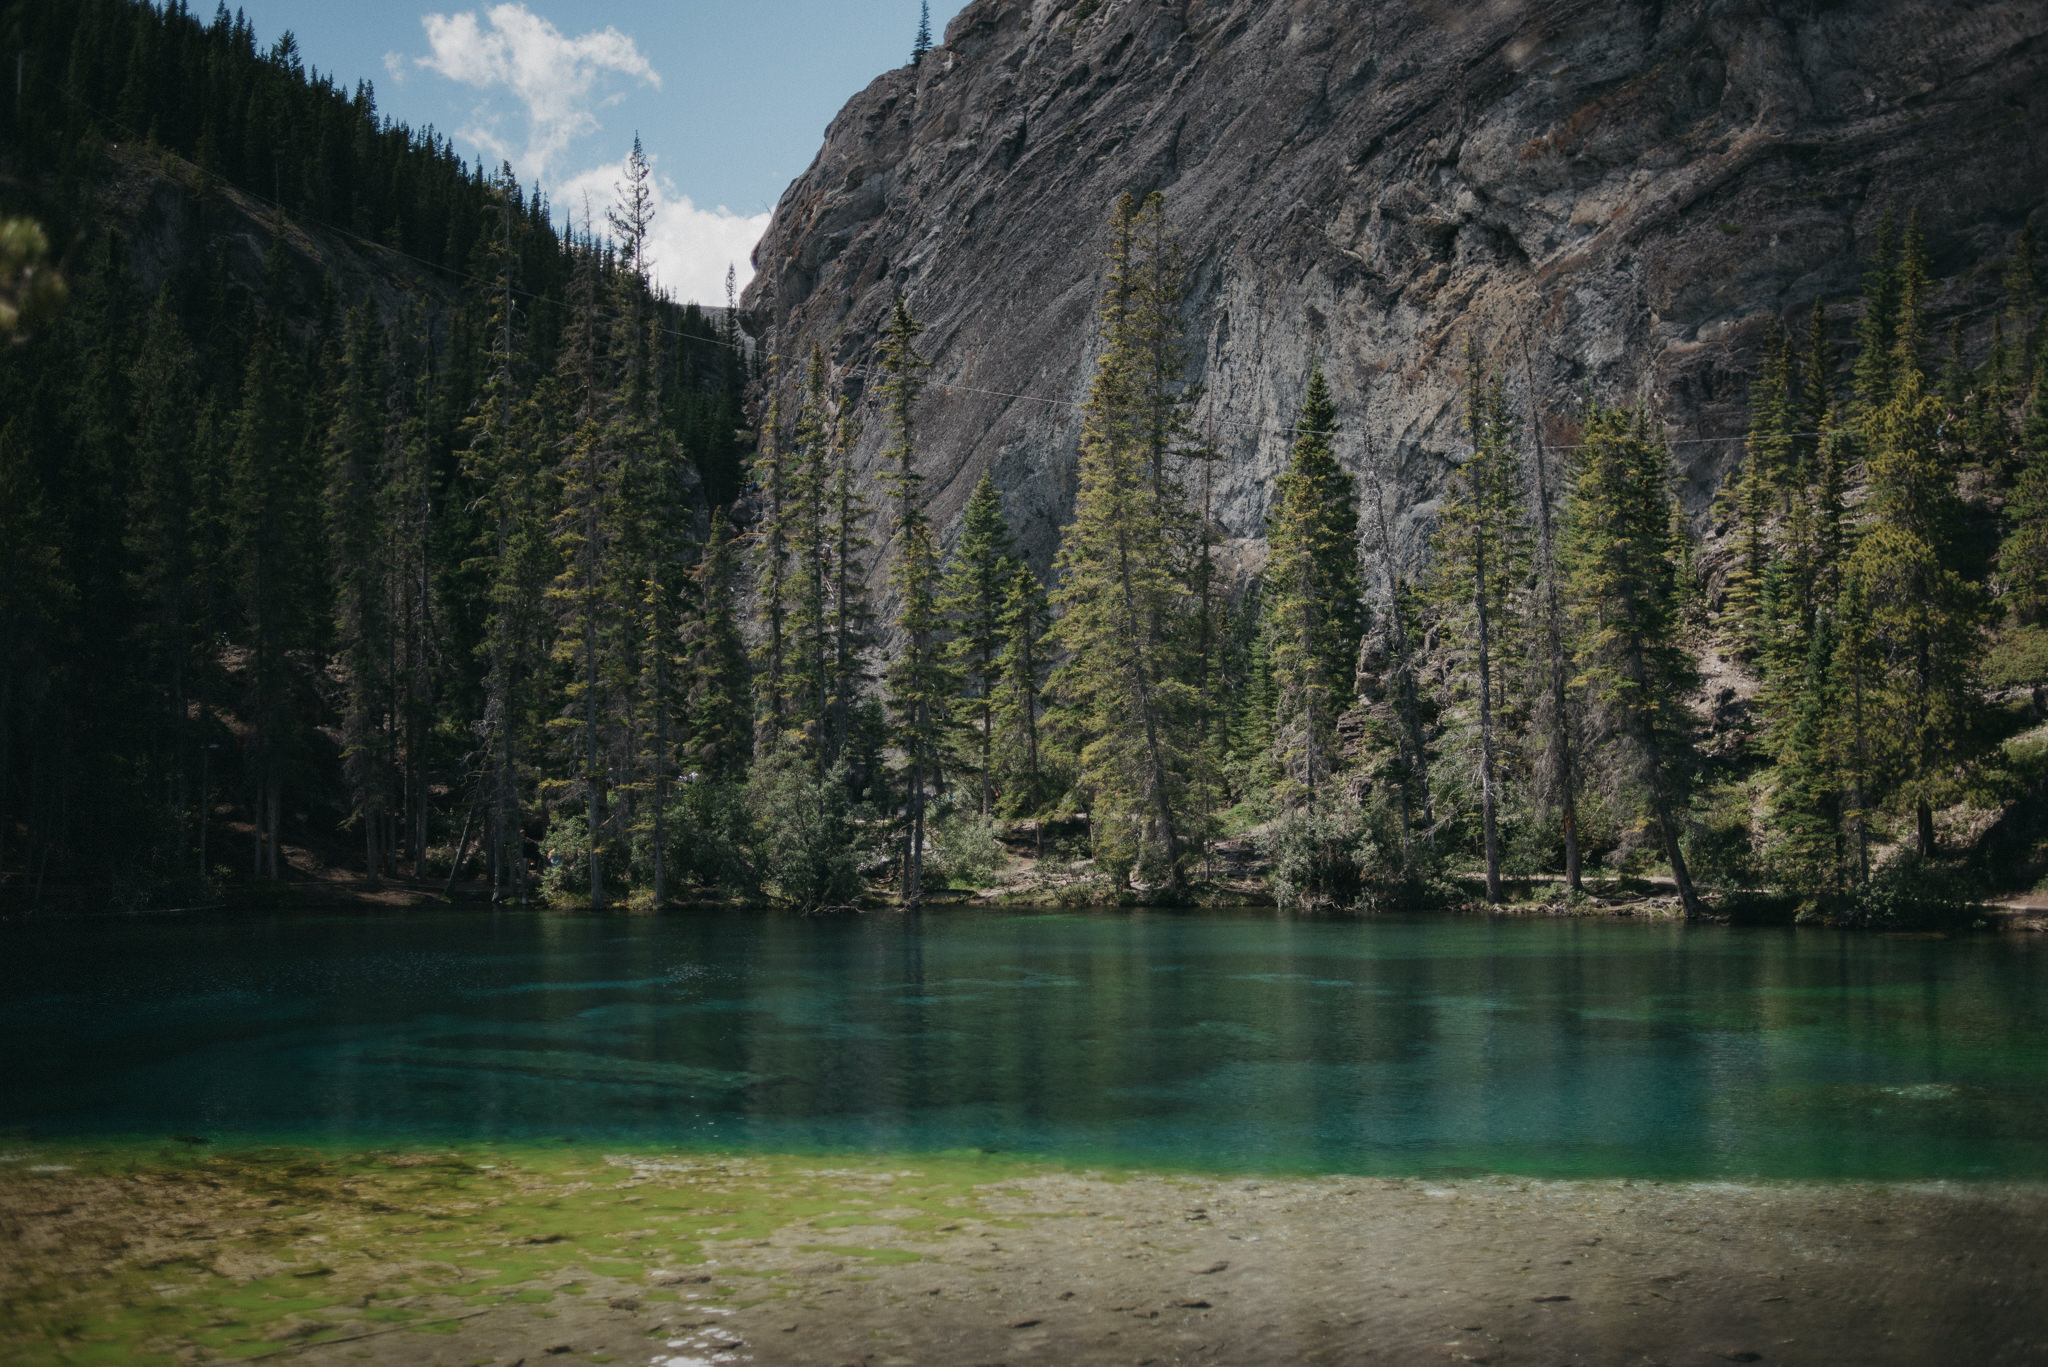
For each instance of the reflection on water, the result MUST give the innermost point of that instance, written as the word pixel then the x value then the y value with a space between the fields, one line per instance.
pixel 1215 1041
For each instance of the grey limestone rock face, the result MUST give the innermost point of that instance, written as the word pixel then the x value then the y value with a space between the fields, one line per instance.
pixel 1603 197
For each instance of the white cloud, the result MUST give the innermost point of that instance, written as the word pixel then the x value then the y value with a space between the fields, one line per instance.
pixel 689 248
pixel 554 76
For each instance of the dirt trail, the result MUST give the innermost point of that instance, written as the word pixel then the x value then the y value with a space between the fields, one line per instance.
pixel 870 1265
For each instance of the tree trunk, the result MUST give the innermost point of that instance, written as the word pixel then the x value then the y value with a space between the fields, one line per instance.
pixel 461 852
pixel 590 708
pixel 1923 825
pixel 1489 780
pixel 1687 897
pixel 1156 765
pixel 276 822
pixel 660 779
pixel 1563 767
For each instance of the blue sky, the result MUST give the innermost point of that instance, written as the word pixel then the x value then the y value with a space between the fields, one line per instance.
pixel 730 99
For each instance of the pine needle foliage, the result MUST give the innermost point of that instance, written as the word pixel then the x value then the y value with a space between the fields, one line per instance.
pixel 1123 691
pixel 919 682
pixel 973 599
pixel 1311 599
pixel 1621 556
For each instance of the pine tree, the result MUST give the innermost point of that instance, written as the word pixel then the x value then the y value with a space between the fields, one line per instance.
pixel 2021 319
pixel 355 447
pixel 516 562
pixel 166 575
pixel 918 681
pixel 1314 616
pixel 1924 616
pixel 1480 551
pixel 973 599
pixel 1556 716
pixel 923 42
pixel 35 596
pixel 654 495
pixel 1816 383
pixel 773 580
pixel 1399 711
pixel 1805 820
pixel 809 629
pixel 274 538
pixel 1754 495
pixel 851 622
pixel 2023 556
pixel 582 532
pixel 1017 758
pixel 1621 557
pixel 1122 691
pixel 715 661
pixel 1878 327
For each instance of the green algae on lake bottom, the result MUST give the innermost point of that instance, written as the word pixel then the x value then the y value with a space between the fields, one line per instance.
pixel 132 1252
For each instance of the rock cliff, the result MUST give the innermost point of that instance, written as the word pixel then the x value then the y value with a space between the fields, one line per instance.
pixel 1621 193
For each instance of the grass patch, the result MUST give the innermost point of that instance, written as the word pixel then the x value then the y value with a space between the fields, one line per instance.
pixel 146 1254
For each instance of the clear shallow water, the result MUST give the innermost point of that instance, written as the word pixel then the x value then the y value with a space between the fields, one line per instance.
pixel 1210 1041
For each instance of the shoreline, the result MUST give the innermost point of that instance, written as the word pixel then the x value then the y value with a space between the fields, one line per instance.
pixel 142 1252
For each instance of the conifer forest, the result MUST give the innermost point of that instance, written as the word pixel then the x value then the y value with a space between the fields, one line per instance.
pixel 502 573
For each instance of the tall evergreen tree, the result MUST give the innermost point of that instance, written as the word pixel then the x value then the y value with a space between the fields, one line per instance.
pixel 851 622
pixel 1311 597
pixel 1400 711
pixel 923 42
pixel 1017 758
pixel 715 660
pixel 584 589
pixel 1480 553
pixel 2023 556
pixel 515 563
pixel 809 627
pixel 973 598
pixel 1924 616
pixel 918 681
pixel 169 572
pixel 1754 494
pixel 1122 689
pixel 1877 329
pixel 355 447
pixel 278 575
pixel 773 580
pixel 1621 557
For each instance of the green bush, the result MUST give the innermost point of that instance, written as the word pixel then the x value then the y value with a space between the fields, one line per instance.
pixel 1324 858
pixel 808 849
pixel 965 851
pixel 1911 893
pixel 712 839
pixel 2018 659
pixel 565 873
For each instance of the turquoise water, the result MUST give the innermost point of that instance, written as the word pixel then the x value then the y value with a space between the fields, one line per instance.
pixel 1203 1040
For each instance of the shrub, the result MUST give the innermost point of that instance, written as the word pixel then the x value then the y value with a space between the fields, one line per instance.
pixel 965 850
pixel 809 847
pixel 1326 858
pixel 1911 893
pixel 565 876
pixel 712 838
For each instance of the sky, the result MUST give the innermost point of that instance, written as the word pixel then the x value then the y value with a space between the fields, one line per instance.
pixel 730 98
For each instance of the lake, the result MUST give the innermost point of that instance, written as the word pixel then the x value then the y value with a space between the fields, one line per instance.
pixel 1213 1041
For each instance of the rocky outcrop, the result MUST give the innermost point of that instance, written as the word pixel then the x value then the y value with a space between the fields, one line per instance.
pixel 1604 197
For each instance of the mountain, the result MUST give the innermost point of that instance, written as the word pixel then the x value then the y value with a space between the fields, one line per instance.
pixel 1623 194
